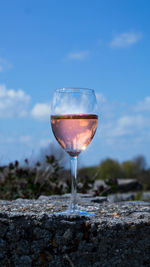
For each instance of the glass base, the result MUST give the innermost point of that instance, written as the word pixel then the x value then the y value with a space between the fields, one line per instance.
pixel 76 212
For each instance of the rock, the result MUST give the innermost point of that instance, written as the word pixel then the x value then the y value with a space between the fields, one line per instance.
pixel 122 197
pixel 127 185
pixel 99 184
pixel 117 235
pixel 98 199
pixel 67 235
pixel 145 196
pixel 121 185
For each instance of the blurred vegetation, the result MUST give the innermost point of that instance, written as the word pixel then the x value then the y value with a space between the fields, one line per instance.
pixel 47 176
pixel 110 168
pixel 30 181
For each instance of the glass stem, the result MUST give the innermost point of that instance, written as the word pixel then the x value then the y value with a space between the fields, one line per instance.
pixel 73 200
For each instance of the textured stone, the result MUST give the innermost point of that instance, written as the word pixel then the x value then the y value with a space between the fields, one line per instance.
pixel 122 185
pixel 116 236
pixel 122 197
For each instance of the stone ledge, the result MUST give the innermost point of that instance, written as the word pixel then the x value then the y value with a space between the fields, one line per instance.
pixel 117 236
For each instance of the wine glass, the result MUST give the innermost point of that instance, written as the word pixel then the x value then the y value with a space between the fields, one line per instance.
pixel 74 123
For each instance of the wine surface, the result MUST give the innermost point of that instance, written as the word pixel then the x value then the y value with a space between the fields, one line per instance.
pixel 74 132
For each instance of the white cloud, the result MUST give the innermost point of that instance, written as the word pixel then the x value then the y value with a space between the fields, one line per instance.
pixel 4 65
pixel 143 105
pixel 125 39
pixel 41 111
pixel 25 139
pixel 105 109
pixel 13 103
pixel 128 125
pixel 15 139
pixel 45 142
pixel 100 98
pixel 81 55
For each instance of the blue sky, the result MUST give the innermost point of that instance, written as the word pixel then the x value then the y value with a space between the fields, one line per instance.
pixel 97 44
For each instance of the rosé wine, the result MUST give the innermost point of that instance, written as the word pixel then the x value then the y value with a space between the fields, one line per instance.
pixel 74 132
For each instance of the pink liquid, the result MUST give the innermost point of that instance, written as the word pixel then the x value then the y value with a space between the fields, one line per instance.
pixel 74 132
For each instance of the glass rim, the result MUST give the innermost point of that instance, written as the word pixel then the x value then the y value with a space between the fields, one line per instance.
pixel 75 90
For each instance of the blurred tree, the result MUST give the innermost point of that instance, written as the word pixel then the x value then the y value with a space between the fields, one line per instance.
pixel 144 178
pixel 90 172
pixel 110 168
pixel 140 162
pixel 130 169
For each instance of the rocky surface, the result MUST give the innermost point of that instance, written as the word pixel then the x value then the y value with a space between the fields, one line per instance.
pixel 116 236
pixel 144 196
pixel 120 185
pixel 122 197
